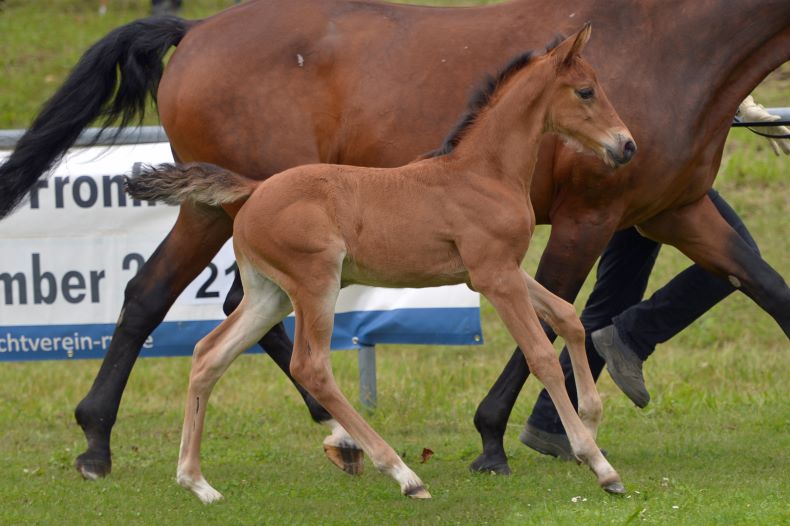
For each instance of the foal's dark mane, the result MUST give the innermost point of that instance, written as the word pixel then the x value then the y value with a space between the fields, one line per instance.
pixel 482 96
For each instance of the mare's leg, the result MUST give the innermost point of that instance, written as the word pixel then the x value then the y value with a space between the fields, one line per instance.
pixel 622 278
pixel 264 306
pixel 699 231
pixel 338 446
pixel 570 254
pixel 508 292
pixel 310 365
pixel 667 312
pixel 562 318
pixel 197 235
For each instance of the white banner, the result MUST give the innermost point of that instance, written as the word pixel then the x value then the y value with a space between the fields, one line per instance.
pixel 68 252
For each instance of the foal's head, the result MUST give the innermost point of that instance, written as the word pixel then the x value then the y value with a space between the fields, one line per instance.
pixel 580 110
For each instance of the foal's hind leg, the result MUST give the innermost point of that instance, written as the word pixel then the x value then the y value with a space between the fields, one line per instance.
pixel 311 366
pixel 264 306
pixel 197 235
pixel 509 294
pixel 564 320
pixel 339 447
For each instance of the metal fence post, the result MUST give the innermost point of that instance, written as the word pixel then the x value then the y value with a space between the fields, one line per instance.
pixel 367 376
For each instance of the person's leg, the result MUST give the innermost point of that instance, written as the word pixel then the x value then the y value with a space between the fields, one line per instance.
pixel 635 332
pixel 621 281
pixel 637 327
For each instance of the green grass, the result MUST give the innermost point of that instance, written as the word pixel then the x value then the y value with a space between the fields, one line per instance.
pixel 713 447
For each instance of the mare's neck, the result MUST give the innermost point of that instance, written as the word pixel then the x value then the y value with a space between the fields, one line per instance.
pixel 708 55
pixel 742 49
pixel 503 142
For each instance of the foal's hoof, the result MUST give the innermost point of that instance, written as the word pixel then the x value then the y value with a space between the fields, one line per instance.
pixel 417 492
pixel 615 488
pixel 484 464
pixel 349 459
pixel 199 487
pixel 93 465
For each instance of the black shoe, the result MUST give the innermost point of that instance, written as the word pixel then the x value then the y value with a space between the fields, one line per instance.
pixel 554 444
pixel 624 366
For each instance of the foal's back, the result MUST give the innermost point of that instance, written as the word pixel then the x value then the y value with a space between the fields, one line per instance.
pixel 392 227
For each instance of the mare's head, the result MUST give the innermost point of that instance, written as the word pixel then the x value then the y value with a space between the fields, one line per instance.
pixel 579 110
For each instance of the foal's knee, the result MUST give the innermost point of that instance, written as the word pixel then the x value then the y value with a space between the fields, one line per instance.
pixel 568 323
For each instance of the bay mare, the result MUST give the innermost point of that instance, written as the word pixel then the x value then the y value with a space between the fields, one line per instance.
pixel 464 216
pixel 269 85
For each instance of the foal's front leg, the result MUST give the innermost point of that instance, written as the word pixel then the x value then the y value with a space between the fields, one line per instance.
pixel 508 292
pixel 564 320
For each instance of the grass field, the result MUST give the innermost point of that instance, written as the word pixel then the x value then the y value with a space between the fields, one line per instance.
pixel 713 447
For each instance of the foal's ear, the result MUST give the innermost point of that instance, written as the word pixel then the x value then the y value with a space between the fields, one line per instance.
pixel 571 47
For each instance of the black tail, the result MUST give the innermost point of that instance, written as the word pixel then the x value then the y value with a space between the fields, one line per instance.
pixel 110 82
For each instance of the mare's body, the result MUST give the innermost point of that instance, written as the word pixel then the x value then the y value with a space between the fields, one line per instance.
pixel 461 217
pixel 269 85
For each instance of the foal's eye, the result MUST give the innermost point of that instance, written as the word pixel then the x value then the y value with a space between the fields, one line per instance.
pixel 585 93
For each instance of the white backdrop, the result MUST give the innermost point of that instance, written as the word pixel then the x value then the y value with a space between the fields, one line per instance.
pixel 67 253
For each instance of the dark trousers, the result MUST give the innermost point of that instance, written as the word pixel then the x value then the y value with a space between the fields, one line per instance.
pixel 621 280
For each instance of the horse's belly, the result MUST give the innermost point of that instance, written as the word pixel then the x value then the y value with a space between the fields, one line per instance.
pixel 403 272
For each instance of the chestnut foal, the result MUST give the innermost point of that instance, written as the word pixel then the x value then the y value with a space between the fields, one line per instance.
pixel 461 216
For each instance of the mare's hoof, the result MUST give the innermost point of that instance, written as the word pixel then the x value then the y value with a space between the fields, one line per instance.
pixel 92 465
pixel 615 488
pixel 417 492
pixel 349 459
pixel 483 464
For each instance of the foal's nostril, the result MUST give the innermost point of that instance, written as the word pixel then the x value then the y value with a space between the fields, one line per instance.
pixel 629 150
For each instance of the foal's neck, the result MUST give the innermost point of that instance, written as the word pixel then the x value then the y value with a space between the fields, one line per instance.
pixel 504 140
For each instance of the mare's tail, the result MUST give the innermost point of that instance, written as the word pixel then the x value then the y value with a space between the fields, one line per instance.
pixel 110 82
pixel 200 182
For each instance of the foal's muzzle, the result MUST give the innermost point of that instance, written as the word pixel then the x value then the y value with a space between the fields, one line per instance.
pixel 623 152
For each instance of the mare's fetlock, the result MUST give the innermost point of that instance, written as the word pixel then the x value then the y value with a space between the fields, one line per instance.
pixel 96 461
pixel 94 464
pixel 495 463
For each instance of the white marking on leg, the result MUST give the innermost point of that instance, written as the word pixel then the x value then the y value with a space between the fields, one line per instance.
pixel 735 282
pixel 410 483
pixel 88 475
pixel 339 436
pixel 197 485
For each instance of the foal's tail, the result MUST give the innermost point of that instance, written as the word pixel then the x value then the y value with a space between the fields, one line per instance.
pixel 110 82
pixel 200 182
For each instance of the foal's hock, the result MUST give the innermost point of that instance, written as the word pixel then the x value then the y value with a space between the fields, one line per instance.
pixel 462 215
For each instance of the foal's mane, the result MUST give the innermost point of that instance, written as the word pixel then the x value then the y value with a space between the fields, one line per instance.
pixel 483 95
